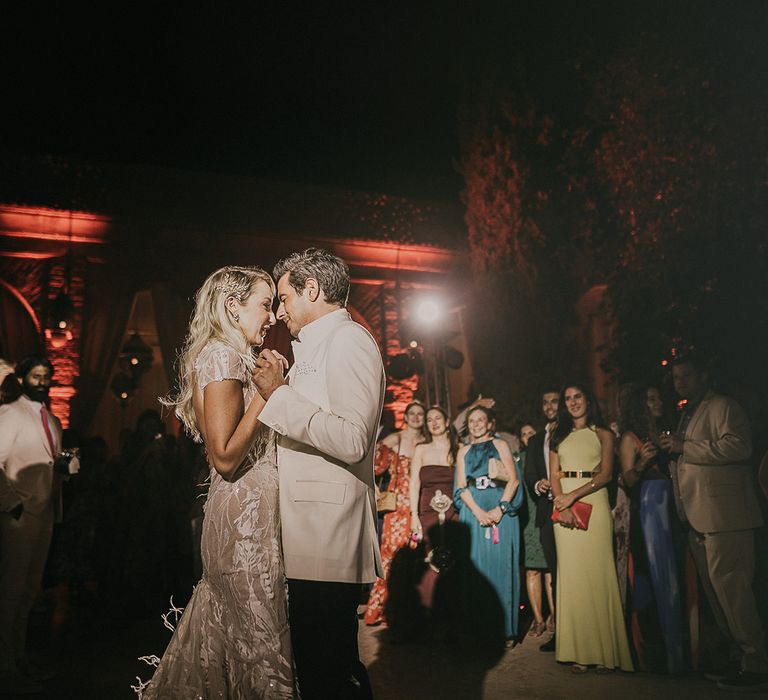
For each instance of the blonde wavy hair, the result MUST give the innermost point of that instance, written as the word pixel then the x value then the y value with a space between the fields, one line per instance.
pixel 211 322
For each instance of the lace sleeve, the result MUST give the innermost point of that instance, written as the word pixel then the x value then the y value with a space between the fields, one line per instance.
pixel 218 362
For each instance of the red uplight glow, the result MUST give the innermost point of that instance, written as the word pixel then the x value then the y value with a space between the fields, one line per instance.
pixel 47 224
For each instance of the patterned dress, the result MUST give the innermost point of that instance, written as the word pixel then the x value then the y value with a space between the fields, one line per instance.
pixel 233 640
pixel 397 525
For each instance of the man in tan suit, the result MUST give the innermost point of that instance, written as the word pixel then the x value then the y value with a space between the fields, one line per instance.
pixel 327 417
pixel 30 502
pixel 715 495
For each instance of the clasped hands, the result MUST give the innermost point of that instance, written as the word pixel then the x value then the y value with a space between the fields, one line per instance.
pixel 269 374
pixel 488 518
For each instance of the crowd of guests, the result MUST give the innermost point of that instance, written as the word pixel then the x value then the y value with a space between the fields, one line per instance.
pixel 601 525
pixel 120 533
pixel 592 526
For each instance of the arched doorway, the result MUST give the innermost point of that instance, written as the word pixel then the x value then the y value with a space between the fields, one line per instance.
pixel 19 327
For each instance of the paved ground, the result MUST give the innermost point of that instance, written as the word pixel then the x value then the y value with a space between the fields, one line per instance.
pixel 96 656
pixel 458 671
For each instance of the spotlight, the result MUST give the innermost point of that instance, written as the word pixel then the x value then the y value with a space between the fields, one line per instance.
pixel 414 344
pixel 428 311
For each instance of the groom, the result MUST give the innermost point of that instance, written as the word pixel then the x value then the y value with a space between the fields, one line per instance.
pixel 326 415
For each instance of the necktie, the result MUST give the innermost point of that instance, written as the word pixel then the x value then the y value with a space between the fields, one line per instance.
pixel 47 429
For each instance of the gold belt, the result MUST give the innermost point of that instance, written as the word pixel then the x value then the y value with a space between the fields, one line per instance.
pixel 577 475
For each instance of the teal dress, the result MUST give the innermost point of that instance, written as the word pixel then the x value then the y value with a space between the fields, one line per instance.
pixel 491 578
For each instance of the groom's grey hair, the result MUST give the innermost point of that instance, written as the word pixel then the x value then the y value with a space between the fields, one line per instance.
pixel 330 271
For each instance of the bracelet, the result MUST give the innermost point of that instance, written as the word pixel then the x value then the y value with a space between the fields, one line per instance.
pixel 592 484
pixel 504 507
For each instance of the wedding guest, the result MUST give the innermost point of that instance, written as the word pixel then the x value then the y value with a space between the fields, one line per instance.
pixel 432 476
pixel 715 496
pixel 31 473
pixel 460 422
pixel 590 619
pixel 432 471
pixel 533 552
pixel 150 533
pixel 645 473
pixel 10 388
pixel 411 583
pixel 488 507
pixel 393 456
pixel 537 479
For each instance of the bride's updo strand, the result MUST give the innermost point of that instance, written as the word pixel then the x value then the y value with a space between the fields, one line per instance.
pixel 211 321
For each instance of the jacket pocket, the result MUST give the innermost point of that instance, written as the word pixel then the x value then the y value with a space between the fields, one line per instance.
pixel 319 492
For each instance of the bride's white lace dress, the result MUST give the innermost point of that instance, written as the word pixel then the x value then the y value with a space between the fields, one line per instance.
pixel 233 640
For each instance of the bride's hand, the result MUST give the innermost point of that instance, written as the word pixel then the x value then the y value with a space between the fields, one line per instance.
pixel 268 375
pixel 282 359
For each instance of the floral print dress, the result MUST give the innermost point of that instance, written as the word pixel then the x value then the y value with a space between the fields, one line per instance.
pixel 397 525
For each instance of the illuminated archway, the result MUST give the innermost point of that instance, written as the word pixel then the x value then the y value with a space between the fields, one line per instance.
pixel 19 325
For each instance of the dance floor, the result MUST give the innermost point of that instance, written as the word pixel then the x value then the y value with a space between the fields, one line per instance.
pixel 95 652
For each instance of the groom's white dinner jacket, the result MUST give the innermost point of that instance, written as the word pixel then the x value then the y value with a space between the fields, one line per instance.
pixel 327 418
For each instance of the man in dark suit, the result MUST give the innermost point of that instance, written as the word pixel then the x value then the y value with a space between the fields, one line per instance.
pixel 538 483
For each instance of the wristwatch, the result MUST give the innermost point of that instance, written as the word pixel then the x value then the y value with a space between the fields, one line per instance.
pixel 504 507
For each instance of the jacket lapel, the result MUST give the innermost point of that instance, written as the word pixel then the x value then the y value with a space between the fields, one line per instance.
pixel 697 415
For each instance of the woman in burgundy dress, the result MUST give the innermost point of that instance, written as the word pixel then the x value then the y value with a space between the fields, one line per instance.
pixel 432 471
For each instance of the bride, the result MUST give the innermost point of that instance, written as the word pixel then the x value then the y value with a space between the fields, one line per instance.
pixel 233 639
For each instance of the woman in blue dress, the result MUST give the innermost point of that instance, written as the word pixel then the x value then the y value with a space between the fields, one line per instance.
pixel 654 544
pixel 488 508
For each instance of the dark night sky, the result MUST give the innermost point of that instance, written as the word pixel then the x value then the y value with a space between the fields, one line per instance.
pixel 361 95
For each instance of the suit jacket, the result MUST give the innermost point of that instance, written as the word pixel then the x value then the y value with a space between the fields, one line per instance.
pixel 327 419
pixel 26 458
pixel 714 488
pixel 536 469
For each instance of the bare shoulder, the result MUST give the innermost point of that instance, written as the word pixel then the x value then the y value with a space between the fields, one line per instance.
pixel 628 438
pixel 605 435
pixel 391 441
pixel 501 445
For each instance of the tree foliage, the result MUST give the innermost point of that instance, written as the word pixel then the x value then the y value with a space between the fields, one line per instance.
pixel 658 190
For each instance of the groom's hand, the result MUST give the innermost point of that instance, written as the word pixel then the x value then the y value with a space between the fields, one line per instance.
pixel 268 374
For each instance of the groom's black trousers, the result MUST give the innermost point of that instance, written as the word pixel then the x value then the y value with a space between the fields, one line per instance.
pixel 323 617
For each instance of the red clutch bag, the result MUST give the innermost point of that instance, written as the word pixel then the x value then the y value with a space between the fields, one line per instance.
pixel 580 510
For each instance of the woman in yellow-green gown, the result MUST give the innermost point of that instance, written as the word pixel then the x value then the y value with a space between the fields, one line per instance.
pixel 590 619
